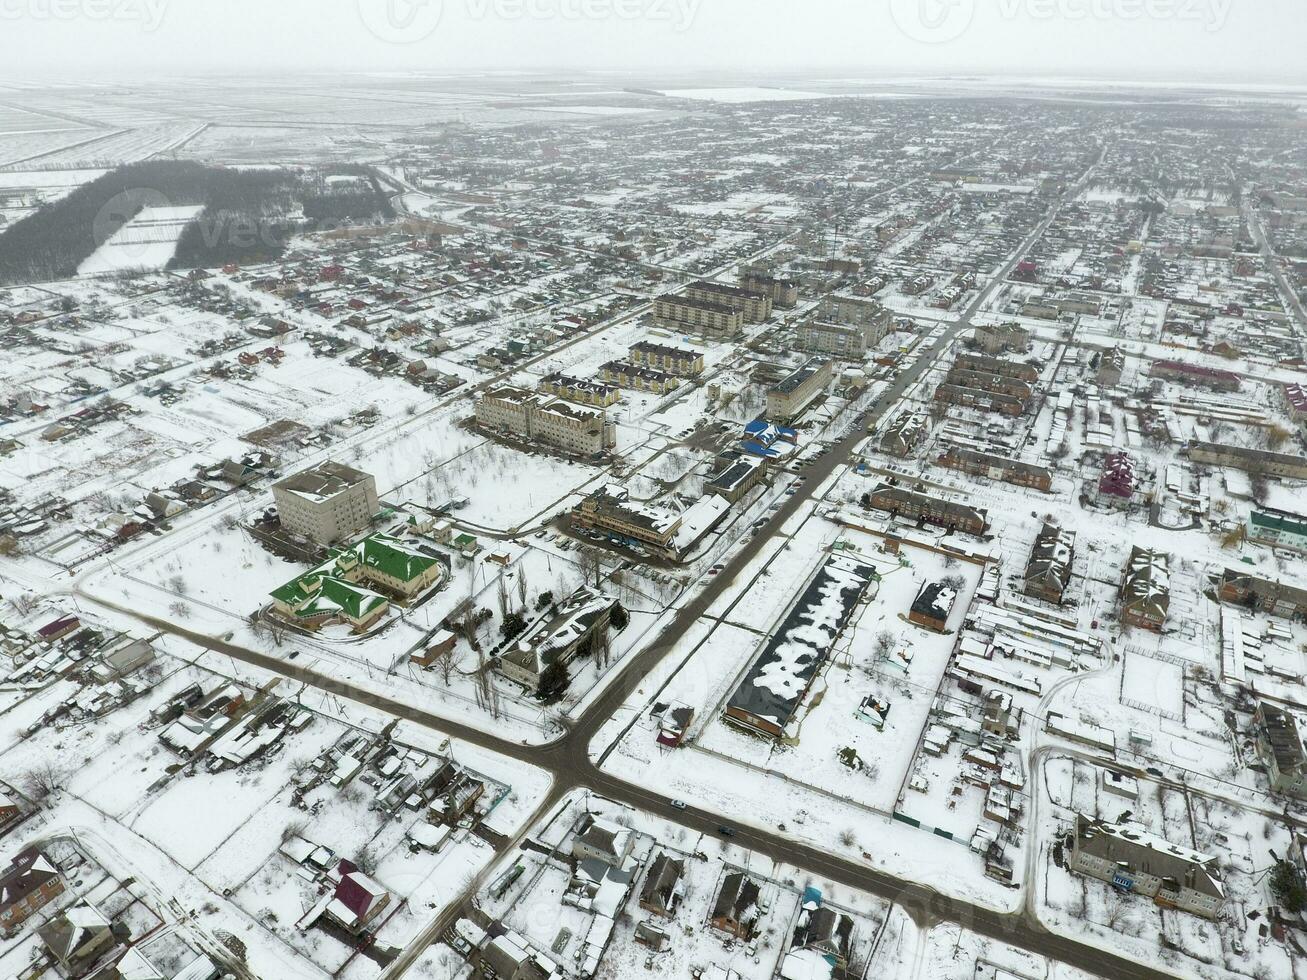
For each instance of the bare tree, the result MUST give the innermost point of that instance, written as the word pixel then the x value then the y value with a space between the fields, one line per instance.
pixel 42 782
pixel 443 660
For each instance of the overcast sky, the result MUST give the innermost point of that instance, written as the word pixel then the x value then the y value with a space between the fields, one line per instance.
pixel 1251 40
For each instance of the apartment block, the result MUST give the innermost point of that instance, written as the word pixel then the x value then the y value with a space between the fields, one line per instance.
pixel 577 429
pixel 784 293
pixel 680 361
pixel 913 506
pixel 754 307
pixel 681 314
pixel 1130 858
pixel 996 467
pixel 787 399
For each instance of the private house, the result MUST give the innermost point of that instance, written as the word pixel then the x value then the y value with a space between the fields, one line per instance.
pixel 673 722
pixel 1280 747
pixel 824 932
pixel 1130 858
pixel 56 630
pixel 662 890
pixel 1241 588
pixel 932 606
pixel 579 626
pixel 126 656
pixel 905 434
pixel 327 503
pixel 356 584
pixel 29 883
pixel 1111 365
pixel 1117 483
pixel 1146 589
pixel 1048 571
pixel 511 957
pixel 910 505
pixel 357 900
pixel 9 810
pixel 76 938
pixel 735 911
pixel 599 840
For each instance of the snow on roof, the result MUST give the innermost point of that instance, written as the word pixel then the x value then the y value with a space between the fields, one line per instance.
pixel 791 658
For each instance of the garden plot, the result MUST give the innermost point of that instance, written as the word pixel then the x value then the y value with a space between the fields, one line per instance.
pixel 1157 683
pixel 147 241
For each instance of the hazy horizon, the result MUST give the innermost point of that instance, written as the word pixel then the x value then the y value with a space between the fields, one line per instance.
pixel 1182 41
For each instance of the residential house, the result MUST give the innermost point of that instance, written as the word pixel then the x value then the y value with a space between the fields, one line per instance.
pixel 1001 337
pixel 1278 528
pixel 755 307
pixel 681 314
pixel 932 606
pixel 1242 588
pixel 29 883
pixel 663 890
pixel 1280 747
pixel 680 361
pixel 358 899
pixel 905 434
pixel 1118 482
pixel 995 467
pixel 1048 571
pixel 1286 466
pixel 914 506
pixel 1130 858
pixel 787 399
pixel 77 937
pixel 600 840
pixel 1146 589
pixel 736 911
